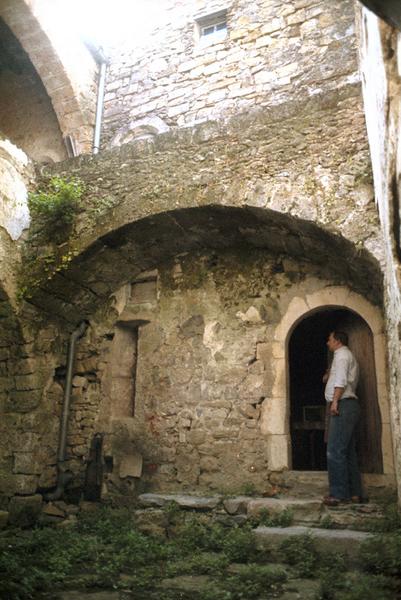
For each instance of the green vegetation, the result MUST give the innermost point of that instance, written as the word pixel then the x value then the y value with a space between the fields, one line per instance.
pixel 106 550
pixel 301 553
pixel 281 519
pixel 49 249
pixel 56 203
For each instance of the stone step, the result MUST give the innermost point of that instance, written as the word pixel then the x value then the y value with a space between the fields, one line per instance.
pixel 326 540
pixel 314 484
pixel 184 501
pixel 302 511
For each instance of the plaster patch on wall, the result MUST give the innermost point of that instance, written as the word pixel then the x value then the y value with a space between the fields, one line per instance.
pixel 14 213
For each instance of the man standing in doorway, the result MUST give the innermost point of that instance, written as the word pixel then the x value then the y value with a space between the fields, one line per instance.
pixel 342 463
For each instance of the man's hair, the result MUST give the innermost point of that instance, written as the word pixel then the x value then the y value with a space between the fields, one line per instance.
pixel 341 336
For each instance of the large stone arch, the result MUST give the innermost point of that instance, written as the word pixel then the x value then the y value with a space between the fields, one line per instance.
pixel 91 277
pixel 64 65
pixel 275 416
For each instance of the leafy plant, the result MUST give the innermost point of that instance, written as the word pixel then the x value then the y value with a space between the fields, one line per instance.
pixel 300 552
pixel 326 522
pixel 382 554
pixel 282 519
pixel 356 587
pixel 390 521
pixel 248 489
pixel 57 201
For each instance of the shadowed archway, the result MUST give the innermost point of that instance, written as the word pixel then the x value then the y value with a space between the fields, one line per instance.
pixel 308 359
pixel 119 256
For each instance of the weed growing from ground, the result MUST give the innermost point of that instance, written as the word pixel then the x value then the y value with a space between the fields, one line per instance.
pixel 284 518
pixel 300 552
pixel 382 554
pixel 390 521
pixel 356 587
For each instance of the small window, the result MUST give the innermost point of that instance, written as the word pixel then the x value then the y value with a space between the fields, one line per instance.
pixel 212 29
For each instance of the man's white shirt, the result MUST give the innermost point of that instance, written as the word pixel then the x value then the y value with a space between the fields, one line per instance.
pixel 344 373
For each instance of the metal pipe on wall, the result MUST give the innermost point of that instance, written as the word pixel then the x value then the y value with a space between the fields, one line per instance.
pixel 62 476
pixel 100 101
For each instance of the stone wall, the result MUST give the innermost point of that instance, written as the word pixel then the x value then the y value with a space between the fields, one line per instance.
pixel 273 53
pixel 381 67
pixel 190 245
pixel 292 168
pixel 197 371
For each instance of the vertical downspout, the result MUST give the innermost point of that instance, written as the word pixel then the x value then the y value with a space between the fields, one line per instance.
pixel 100 102
pixel 62 476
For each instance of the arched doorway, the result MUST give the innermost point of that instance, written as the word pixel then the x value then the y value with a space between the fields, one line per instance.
pixel 308 359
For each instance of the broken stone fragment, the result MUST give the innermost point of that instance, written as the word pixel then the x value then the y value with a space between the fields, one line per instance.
pixel 236 505
pixel 252 315
pixel 51 510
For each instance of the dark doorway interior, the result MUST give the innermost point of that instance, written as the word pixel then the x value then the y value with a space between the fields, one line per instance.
pixel 308 360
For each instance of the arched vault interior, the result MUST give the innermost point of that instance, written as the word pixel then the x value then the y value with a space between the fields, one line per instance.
pixel 118 257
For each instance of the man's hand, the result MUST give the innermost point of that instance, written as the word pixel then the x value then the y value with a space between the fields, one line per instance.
pixel 334 408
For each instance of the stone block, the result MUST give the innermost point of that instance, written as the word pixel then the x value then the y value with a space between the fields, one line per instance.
pixel 25 510
pixel 237 505
pixel 370 313
pixel 195 502
pixel 25 464
pixel 53 511
pixel 143 292
pixel 380 351
pixel 26 382
pixel 209 464
pixel 328 296
pixel 131 466
pixel 347 542
pixel 295 310
pixel 274 416
pixel 79 382
pixel 278 452
pixel 196 437
pixel 23 401
pixel 25 485
pixel 28 441
pixel 304 511
pixel 273 25
pixel 7 481
pixel 382 393
pixel 279 388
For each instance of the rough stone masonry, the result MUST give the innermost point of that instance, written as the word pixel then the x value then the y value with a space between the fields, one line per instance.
pixel 234 184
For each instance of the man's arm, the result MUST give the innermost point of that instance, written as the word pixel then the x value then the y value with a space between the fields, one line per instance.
pixel 338 392
pixel 340 383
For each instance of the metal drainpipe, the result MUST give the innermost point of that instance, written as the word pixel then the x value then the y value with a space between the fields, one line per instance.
pixel 64 477
pixel 100 101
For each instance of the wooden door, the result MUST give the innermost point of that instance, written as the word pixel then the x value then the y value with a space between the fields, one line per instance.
pixel 370 429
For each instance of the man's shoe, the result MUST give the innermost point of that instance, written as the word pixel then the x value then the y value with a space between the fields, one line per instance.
pixel 359 500
pixel 331 501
